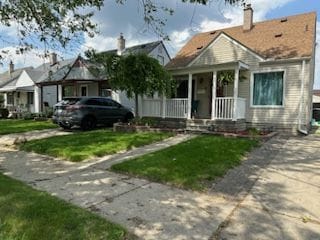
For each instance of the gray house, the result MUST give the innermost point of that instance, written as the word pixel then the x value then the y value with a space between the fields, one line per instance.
pixel 31 89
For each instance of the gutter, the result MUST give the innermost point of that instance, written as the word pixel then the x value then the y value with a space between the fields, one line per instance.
pixel 300 128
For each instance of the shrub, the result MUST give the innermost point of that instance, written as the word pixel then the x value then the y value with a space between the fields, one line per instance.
pixel 4 113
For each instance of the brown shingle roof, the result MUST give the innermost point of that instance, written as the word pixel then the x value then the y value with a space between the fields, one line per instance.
pixel 297 39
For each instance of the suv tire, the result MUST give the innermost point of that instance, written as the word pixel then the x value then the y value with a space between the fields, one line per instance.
pixel 88 123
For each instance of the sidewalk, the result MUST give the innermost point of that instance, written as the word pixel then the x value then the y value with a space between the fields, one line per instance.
pixel 11 139
pixel 273 195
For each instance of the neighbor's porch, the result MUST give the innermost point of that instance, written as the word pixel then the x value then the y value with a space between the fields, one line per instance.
pixel 202 94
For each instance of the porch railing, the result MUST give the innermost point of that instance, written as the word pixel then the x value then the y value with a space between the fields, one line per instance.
pixel 173 108
pixel 224 108
pixel 178 108
pixel 151 107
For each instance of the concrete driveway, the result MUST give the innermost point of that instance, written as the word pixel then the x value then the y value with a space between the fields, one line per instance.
pixel 274 194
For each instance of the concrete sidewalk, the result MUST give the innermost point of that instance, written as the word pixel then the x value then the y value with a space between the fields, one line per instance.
pixel 11 139
pixel 273 195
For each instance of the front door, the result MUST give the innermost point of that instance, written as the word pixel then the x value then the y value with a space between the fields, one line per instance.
pixel 84 90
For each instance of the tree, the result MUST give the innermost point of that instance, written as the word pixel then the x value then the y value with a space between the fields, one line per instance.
pixel 56 22
pixel 48 22
pixel 136 74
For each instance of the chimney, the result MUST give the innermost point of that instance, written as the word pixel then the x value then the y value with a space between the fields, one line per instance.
pixel 11 67
pixel 53 58
pixel 247 17
pixel 121 44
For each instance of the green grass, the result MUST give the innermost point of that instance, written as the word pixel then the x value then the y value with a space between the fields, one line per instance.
pixel 192 164
pixel 81 146
pixel 17 126
pixel 29 214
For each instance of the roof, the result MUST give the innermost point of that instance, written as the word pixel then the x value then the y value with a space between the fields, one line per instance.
pixel 141 48
pixel 316 92
pixel 295 39
pixel 6 78
pixel 71 69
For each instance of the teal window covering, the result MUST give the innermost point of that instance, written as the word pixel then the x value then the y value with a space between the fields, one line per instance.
pixel 268 89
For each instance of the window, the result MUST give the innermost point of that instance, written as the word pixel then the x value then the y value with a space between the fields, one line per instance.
pixel 10 99
pixel 267 89
pixel 30 98
pixel 67 91
pixel 84 91
pixel 94 102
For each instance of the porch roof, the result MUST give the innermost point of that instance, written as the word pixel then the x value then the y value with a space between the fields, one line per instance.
pixel 17 89
pixel 211 67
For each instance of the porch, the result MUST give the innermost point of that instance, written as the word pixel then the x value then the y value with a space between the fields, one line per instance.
pixel 211 94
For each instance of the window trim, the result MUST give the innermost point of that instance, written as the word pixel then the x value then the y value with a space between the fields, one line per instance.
pixel 283 89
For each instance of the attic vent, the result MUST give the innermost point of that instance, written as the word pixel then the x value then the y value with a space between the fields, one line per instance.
pixel 214 32
pixel 199 48
pixel 284 20
pixel 278 35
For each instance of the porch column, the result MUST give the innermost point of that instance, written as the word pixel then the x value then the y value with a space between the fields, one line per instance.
pixel 189 96
pixel 164 106
pixel 5 99
pixel 37 100
pixel 59 91
pixel 235 93
pixel 75 90
pixel 214 93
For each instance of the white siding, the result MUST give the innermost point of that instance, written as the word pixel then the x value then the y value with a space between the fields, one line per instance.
pixel 161 51
pixel 224 51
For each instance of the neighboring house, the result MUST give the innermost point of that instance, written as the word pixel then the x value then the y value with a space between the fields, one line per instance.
pixel 272 63
pixel 32 89
pixel 17 89
pixel 316 99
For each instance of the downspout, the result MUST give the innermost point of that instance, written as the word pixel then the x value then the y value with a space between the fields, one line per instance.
pixel 300 129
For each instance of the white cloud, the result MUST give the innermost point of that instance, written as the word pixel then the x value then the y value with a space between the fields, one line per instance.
pixel 32 58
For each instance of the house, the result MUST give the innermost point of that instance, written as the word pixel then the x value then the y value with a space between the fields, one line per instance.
pixel 316 99
pixel 271 64
pixel 31 89
pixel 17 89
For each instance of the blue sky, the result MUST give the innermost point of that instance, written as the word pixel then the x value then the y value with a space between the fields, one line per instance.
pixel 187 20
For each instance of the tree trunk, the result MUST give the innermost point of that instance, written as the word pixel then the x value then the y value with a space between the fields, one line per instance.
pixel 137 104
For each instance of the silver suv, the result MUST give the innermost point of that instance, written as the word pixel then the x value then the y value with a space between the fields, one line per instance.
pixel 87 112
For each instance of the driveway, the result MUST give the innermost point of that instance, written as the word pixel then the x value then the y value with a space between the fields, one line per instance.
pixel 274 194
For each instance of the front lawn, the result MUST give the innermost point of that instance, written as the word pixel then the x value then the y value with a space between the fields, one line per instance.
pixel 84 145
pixel 193 164
pixel 18 125
pixel 29 214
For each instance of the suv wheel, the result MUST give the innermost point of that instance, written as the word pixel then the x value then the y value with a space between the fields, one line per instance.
pixel 88 123
pixel 65 127
pixel 128 117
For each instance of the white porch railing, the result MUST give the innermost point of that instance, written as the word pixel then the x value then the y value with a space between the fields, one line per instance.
pixel 151 107
pixel 224 108
pixel 178 108
pixel 173 108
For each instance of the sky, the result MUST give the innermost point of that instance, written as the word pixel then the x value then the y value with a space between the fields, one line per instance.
pixel 187 20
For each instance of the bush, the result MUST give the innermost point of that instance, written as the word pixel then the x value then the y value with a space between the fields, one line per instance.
pixel 4 113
